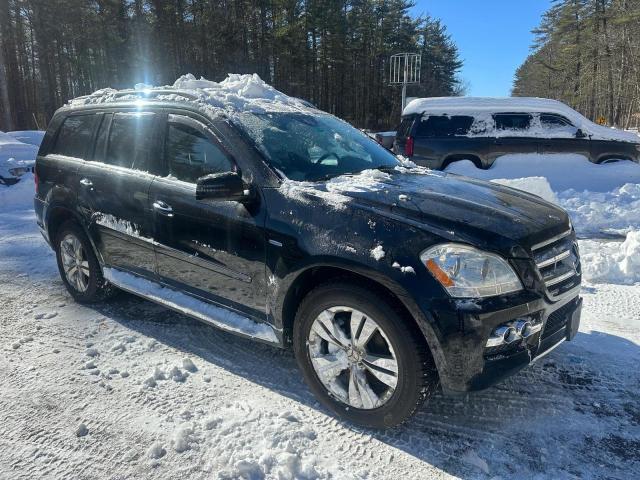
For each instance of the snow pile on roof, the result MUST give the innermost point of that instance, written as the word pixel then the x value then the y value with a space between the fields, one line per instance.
pixel 563 171
pixel 612 262
pixel 485 106
pixel 236 93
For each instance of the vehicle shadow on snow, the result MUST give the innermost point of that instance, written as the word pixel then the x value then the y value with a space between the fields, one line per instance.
pixel 572 413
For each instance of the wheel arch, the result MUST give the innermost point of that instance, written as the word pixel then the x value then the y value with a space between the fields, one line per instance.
pixel 316 275
pixel 58 215
pixel 462 156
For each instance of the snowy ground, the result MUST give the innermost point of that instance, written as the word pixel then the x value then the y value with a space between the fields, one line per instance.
pixel 129 389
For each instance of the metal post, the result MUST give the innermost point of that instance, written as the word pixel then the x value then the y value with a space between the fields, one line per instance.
pixel 404 83
pixel 404 96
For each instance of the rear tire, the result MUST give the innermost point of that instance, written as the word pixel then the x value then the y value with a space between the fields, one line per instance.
pixel 381 394
pixel 78 266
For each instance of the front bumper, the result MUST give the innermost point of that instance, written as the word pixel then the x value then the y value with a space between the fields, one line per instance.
pixel 471 365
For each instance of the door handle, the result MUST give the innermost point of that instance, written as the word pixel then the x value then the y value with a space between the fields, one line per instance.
pixel 162 208
pixel 85 182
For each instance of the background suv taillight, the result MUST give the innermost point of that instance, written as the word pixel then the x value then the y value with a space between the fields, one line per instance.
pixel 408 147
pixel 35 179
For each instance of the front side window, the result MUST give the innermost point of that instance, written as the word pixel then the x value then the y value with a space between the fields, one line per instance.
pixel 444 126
pixel 191 154
pixel 551 121
pixel 512 121
pixel 75 136
pixel 131 141
pixel 307 147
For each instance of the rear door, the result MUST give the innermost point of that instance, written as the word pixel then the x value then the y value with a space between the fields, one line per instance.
pixel 212 249
pixel 559 136
pixel 513 135
pixel 114 190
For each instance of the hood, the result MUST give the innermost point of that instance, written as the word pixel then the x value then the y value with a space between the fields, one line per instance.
pixel 457 208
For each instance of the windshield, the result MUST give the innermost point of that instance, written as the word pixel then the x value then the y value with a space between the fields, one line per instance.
pixel 308 147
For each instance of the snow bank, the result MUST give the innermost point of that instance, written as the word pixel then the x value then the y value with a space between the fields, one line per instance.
pixel 483 107
pixel 32 137
pixel 14 153
pixel 614 212
pixel 18 196
pixel 236 93
pixel 612 262
pixel 562 171
pixel 599 198
pixel 537 185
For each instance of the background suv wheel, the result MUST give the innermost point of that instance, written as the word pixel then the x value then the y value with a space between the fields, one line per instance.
pixel 360 357
pixel 78 265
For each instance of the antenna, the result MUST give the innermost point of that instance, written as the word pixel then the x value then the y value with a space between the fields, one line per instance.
pixel 404 69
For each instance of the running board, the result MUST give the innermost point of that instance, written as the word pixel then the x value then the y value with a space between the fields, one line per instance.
pixel 217 316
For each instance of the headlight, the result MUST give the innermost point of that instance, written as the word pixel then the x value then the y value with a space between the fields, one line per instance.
pixel 466 272
pixel 18 171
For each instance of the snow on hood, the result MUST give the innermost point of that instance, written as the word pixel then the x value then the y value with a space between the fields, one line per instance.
pixel 236 93
pixel 485 106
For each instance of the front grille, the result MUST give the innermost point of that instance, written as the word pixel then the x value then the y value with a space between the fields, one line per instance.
pixel 557 320
pixel 558 262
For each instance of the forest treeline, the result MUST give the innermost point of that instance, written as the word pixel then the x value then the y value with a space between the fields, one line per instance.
pixel 587 54
pixel 333 53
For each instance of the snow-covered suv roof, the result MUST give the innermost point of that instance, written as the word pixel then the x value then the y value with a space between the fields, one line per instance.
pixel 236 93
pixel 485 106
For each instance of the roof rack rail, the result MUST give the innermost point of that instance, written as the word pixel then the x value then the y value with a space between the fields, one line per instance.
pixel 155 92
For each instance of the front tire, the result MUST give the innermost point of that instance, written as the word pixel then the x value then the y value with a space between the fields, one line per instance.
pixel 79 267
pixel 360 356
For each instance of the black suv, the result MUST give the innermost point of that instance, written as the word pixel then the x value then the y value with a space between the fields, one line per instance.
pixel 293 228
pixel 437 140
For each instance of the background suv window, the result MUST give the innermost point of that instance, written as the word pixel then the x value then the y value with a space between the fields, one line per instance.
pixel 553 121
pixel 131 141
pixel 444 126
pixel 191 154
pixel 75 136
pixel 512 121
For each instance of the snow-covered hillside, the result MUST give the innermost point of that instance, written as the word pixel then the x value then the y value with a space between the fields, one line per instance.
pixel 129 389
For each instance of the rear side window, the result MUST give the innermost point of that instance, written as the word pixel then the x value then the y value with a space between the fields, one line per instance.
pixel 512 121
pixel 444 126
pixel 75 136
pixel 191 154
pixel 131 141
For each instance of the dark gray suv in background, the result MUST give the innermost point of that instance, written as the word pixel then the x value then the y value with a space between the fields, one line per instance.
pixel 435 132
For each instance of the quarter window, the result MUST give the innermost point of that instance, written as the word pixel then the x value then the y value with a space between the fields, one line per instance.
pixel 75 136
pixel 191 154
pixel 512 121
pixel 444 126
pixel 131 141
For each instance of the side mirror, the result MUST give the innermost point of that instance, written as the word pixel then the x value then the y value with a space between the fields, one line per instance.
pixel 226 186
pixel 580 133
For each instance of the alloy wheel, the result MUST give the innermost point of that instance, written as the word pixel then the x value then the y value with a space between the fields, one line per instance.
pixel 75 262
pixel 353 358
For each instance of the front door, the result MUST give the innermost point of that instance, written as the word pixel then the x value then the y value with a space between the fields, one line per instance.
pixel 513 135
pixel 212 249
pixel 560 136
pixel 114 190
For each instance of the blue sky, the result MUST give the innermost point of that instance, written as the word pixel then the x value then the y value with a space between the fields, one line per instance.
pixel 493 37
